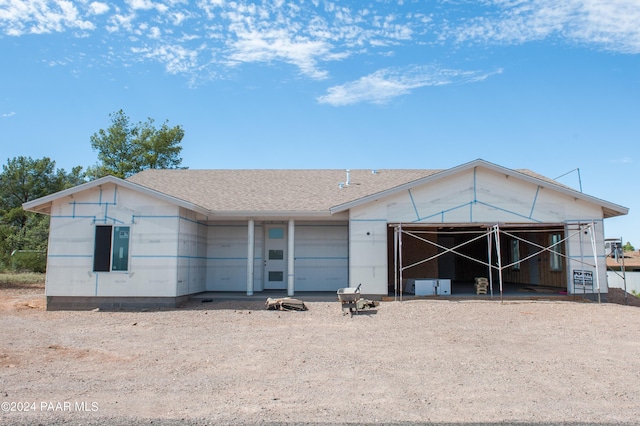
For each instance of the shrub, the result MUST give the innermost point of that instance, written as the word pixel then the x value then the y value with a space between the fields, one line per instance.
pixel 29 261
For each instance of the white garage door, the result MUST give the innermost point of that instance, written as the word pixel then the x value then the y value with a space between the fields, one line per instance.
pixel 227 258
pixel 321 257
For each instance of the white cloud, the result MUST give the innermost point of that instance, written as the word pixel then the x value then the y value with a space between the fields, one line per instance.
pixel 610 24
pixel 307 36
pixel 176 59
pixel 279 45
pixel 271 34
pixel 121 22
pixel 98 8
pixel 141 4
pixel 18 17
pixel 304 35
pixel 154 33
pixel 312 35
pixel 386 84
pixel 8 114
pixel 179 17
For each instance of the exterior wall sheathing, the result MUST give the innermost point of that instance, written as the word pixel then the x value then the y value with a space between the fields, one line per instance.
pixel 153 250
pixel 173 254
pixel 477 197
pixel 321 255
pixel 192 254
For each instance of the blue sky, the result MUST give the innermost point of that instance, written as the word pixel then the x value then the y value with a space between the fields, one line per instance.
pixel 552 86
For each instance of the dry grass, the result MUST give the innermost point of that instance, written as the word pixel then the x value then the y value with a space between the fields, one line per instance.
pixel 25 281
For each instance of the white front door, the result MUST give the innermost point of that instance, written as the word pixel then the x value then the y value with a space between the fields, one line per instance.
pixel 275 257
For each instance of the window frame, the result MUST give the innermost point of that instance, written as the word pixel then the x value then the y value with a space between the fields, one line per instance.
pixel 111 248
pixel 555 256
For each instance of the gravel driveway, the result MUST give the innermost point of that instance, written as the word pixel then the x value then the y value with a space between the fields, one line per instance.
pixel 410 362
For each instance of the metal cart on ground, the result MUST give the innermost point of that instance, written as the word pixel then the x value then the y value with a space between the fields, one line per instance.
pixel 349 298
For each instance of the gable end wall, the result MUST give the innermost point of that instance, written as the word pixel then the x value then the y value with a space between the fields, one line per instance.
pixel 153 245
pixel 475 196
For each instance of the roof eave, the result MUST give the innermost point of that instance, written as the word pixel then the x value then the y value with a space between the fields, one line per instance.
pixel 43 204
pixel 40 205
pixel 271 214
pixel 620 211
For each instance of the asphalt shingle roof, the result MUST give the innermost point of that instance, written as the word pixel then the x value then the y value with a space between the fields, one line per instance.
pixel 302 191
pixel 292 191
pixel 273 190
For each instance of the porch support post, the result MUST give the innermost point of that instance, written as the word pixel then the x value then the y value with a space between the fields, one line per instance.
pixel 400 258
pixel 395 263
pixel 251 240
pixel 595 257
pixel 490 260
pixel 498 250
pixel 291 257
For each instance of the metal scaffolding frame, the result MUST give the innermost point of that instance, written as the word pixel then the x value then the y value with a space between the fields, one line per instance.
pixel 492 234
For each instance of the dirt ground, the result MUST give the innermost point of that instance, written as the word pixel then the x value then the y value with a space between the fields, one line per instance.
pixel 411 362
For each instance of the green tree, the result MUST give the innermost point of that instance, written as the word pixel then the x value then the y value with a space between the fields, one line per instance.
pixel 24 179
pixel 628 247
pixel 125 149
pixel 76 177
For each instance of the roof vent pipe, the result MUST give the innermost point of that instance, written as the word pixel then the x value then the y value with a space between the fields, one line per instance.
pixel 348 178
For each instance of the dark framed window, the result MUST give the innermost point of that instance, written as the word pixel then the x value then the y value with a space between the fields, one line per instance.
pixel 111 251
pixel 276 276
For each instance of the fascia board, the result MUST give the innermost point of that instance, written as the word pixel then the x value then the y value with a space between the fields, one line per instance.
pixel 35 205
pixel 39 202
pixel 614 209
pixel 271 214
